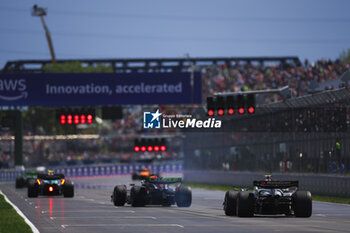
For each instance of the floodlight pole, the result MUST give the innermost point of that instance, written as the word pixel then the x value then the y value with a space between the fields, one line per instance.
pixel 48 37
pixel 39 11
pixel 18 137
pixel 187 55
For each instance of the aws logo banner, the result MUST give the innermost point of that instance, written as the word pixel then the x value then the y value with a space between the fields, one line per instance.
pixel 75 89
pixel 13 89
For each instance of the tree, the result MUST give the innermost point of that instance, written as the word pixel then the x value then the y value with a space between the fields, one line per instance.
pixel 345 56
pixel 76 67
pixel 39 120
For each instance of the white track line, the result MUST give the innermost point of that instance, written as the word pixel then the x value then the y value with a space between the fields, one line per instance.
pixel 89 211
pixel 104 217
pixel 31 225
pixel 123 225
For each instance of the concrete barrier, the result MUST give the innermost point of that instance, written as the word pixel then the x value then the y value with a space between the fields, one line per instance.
pixel 321 184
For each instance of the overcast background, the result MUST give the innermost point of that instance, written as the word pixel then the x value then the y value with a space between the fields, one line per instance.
pixel 161 28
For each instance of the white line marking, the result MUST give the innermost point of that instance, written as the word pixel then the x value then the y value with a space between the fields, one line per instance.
pixel 103 217
pixel 305 230
pixel 90 211
pixel 321 215
pixel 136 217
pixel 178 225
pixel 34 229
pixel 124 225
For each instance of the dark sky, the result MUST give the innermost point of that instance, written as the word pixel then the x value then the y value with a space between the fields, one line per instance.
pixel 312 29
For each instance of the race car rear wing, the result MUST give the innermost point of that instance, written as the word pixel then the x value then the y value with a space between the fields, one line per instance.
pixel 50 177
pixel 275 184
pixel 159 180
pixel 30 174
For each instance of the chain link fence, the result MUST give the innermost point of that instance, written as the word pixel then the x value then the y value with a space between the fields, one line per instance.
pixel 312 143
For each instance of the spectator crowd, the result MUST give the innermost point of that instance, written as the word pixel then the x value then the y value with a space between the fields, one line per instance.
pixel 261 77
pixel 215 78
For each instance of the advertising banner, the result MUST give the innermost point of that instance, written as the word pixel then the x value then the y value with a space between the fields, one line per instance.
pixel 76 89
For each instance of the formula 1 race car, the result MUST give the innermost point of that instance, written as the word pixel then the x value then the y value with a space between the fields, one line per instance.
pixel 153 191
pixel 142 174
pixel 23 180
pixel 51 185
pixel 269 197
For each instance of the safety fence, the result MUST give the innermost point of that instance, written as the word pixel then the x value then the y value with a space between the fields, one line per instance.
pixel 102 170
pixel 330 185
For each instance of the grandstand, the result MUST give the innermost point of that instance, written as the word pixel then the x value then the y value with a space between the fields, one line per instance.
pixel 268 146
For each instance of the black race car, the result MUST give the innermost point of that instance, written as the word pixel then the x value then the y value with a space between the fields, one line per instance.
pixel 153 191
pixel 50 185
pixel 267 198
pixel 23 180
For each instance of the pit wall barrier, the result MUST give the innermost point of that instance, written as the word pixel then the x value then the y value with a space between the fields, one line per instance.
pixel 101 170
pixel 318 184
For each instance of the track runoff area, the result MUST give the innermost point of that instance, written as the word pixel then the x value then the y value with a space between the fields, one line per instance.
pixel 91 210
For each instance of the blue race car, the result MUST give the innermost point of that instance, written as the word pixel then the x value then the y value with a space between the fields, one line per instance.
pixel 50 185
pixel 268 198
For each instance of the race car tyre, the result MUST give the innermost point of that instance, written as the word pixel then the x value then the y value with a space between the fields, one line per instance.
pixel 68 189
pixel 138 196
pixel 33 189
pixel 245 204
pixel 230 203
pixel 302 204
pixel 183 196
pixel 119 195
pixel 20 182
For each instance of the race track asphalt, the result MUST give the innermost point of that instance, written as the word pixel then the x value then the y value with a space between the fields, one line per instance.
pixel 92 211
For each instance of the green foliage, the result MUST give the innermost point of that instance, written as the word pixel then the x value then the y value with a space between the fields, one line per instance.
pixel 212 187
pixel 345 56
pixel 76 67
pixel 343 200
pixel 10 221
pixel 41 120
pixel 38 119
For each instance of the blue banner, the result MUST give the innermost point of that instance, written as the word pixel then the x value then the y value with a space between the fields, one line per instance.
pixel 76 89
